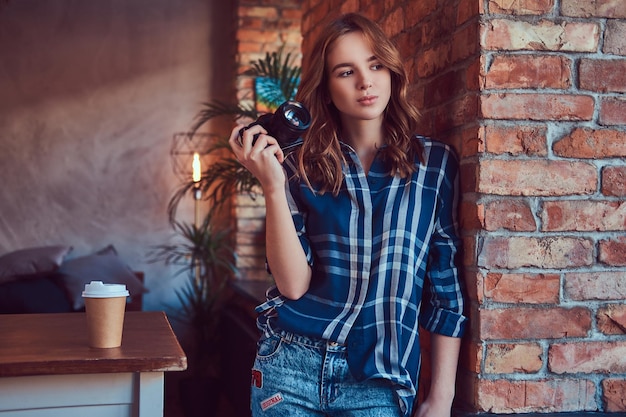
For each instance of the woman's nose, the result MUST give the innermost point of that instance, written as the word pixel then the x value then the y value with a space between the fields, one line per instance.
pixel 365 84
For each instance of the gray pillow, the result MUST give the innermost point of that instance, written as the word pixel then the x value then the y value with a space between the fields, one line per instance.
pixel 103 266
pixel 31 262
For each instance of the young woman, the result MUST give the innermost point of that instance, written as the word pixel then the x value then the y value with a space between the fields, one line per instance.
pixel 361 242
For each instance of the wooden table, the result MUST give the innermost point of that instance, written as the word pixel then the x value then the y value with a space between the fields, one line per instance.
pixel 48 369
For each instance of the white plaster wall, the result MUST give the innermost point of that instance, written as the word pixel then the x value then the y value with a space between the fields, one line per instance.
pixel 91 93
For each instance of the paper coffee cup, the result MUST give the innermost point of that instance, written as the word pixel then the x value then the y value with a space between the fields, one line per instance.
pixel 105 305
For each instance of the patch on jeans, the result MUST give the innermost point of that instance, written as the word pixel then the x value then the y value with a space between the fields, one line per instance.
pixel 257 378
pixel 271 401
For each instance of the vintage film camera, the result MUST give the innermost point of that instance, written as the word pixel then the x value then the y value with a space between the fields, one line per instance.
pixel 286 124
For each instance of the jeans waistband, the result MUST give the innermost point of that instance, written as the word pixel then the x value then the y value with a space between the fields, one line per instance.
pixel 306 340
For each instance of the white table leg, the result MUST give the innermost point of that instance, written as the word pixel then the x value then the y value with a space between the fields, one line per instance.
pixel 150 396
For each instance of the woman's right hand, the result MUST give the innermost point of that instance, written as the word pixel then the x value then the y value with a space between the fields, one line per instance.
pixel 262 157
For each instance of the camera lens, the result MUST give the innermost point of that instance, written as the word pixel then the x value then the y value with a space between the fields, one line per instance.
pixel 294 117
pixel 289 122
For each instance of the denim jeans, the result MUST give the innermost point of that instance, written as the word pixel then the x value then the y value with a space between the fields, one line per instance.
pixel 296 376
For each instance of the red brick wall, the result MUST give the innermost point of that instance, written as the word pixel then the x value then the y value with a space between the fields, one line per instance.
pixel 531 94
pixel 547 272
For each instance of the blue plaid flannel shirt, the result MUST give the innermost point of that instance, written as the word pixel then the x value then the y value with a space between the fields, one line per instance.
pixel 383 257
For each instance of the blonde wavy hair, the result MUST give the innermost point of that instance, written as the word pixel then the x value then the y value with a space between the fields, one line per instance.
pixel 320 158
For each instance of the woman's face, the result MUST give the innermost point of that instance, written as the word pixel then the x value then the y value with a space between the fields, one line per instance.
pixel 358 83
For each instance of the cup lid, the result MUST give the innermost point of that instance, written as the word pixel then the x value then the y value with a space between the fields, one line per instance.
pixel 98 289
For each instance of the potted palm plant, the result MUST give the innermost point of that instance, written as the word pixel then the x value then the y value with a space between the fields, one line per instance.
pixel 203 252
pixel 277 77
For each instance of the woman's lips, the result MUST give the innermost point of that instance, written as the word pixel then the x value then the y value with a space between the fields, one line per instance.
pixel 367 100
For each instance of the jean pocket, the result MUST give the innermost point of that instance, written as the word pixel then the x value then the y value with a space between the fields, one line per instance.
pixel 268 346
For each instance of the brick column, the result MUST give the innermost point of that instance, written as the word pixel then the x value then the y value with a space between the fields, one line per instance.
pixel 550 319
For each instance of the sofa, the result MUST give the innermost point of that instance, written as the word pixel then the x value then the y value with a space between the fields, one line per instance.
pixel 50 279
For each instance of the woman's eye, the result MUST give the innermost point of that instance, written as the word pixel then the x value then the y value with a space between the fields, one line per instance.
pixel 377 67
pixel 345 73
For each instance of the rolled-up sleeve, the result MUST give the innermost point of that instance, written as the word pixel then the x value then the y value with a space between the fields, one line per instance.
pixel 443 300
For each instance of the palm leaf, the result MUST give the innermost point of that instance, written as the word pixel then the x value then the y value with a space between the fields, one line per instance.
pixel 222 179
pixel 215 109
pixel 268 92
pixel 280 68
pixel 280 77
